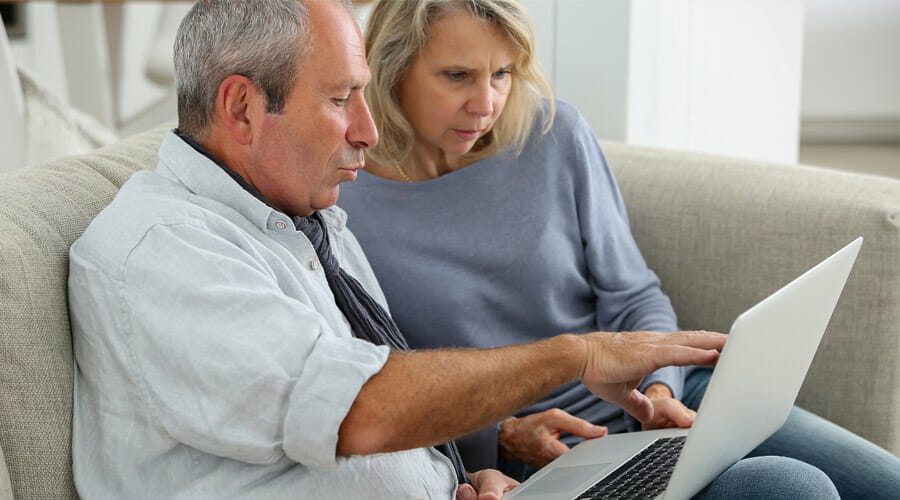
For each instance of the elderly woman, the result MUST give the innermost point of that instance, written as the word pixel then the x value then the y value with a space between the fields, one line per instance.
pixel 491 217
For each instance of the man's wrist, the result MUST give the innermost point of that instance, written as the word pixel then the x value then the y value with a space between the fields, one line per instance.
pixel 579 348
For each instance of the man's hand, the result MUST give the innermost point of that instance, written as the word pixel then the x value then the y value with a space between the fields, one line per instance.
pixel 615 363
pixel 667 411
pixel 535 439
pixel 487 484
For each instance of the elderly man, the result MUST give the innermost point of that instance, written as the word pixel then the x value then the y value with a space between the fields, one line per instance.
pixel 231 340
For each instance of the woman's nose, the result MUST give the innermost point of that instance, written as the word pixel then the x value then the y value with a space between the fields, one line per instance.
pixel 481 102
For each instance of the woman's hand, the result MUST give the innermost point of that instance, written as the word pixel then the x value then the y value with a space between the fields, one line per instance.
pixel 667 411
pixel 487 484
pixel 535 439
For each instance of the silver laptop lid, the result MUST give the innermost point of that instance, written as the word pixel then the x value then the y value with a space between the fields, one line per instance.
pixel 749 396
pixel 759 374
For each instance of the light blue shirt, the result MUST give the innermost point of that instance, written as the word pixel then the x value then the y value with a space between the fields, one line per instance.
pixel 211 358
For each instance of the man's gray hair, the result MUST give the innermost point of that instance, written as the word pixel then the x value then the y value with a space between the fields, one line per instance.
pixel 264 40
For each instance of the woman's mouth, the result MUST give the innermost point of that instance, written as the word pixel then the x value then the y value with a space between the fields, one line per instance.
pixel 467 135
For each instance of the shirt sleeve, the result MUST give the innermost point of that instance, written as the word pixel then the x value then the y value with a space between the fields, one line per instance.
pixel 226 361
pixel 628 293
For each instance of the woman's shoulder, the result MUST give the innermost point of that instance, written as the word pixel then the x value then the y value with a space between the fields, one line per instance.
pixel 565 110
pixel 568 125
pixel 566 118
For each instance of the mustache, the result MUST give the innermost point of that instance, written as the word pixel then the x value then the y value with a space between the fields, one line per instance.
pixel 353 159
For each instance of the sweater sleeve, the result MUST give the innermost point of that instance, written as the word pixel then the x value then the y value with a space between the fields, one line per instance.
pixel 628 293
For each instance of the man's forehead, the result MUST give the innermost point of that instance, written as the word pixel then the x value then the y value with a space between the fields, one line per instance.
pixel 337 54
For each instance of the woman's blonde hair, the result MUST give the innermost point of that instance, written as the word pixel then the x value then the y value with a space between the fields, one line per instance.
pixel 396 33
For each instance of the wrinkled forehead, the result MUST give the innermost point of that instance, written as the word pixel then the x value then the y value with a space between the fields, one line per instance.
pixel 336 50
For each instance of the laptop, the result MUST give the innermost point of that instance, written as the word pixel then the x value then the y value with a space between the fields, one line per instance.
pixel 773 342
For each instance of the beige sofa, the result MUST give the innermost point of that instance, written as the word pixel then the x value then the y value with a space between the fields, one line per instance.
pixel 721 233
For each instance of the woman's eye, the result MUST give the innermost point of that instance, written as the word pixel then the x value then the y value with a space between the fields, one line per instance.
pixel 340 101
pixel 499 75
pixel 456 75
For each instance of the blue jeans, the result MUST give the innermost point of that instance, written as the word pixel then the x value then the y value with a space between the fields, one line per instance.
pixel 765 478
pixel 857 467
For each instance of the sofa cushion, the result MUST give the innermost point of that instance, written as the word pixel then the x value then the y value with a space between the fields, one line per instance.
pixel 43 209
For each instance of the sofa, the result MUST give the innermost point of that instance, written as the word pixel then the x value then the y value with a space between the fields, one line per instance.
pixel 721 233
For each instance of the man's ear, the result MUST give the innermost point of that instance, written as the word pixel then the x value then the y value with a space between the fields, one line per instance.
pixel 239 106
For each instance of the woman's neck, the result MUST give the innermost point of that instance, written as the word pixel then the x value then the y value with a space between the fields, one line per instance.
pixel 426 163
pixel 418 167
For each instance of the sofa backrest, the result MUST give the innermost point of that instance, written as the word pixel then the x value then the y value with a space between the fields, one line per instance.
pixel 724 233
pixel 43 209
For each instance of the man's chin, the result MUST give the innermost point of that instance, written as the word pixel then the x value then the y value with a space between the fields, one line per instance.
pixel 328 200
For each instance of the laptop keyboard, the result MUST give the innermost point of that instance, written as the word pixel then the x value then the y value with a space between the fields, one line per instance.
pixel 644 476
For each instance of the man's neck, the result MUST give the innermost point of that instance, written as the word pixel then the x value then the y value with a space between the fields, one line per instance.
pixel 200 148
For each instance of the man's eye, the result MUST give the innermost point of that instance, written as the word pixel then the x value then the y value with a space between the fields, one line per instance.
pixel 340 101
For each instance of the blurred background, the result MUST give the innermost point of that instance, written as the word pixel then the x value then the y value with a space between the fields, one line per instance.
pixel 809 81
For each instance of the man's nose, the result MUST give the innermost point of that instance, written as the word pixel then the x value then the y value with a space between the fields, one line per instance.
pixel 362 132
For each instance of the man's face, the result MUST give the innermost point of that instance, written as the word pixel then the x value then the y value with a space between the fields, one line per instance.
pixel 317 142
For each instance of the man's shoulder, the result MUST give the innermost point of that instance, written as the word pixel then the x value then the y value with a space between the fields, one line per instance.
pixel 144 201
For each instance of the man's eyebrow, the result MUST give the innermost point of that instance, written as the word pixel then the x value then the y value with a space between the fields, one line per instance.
pixel 345 86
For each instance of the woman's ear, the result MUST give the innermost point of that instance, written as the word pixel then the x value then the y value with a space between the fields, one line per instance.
pixel 239 106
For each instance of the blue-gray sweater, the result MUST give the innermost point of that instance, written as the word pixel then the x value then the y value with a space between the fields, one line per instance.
pixel 509 250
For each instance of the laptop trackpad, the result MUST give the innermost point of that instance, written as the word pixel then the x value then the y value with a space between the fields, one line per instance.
pixel 562 479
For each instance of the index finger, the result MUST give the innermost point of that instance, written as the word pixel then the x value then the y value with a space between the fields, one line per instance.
pixel 679 355
pixel 699 339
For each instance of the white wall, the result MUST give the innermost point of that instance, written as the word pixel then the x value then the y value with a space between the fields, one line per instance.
pixel 851 70
pixel 852 63
pixel 719 76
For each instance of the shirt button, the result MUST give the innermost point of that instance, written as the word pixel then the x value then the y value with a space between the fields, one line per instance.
pixel 280 224
pixel 314 265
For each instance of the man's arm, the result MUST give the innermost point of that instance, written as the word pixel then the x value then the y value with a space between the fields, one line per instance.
pixel 424 398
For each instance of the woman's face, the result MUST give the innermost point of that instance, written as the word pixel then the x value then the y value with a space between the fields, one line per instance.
pixel 456 88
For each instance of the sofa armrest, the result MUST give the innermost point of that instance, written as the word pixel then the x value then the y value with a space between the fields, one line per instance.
pixel 724 233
